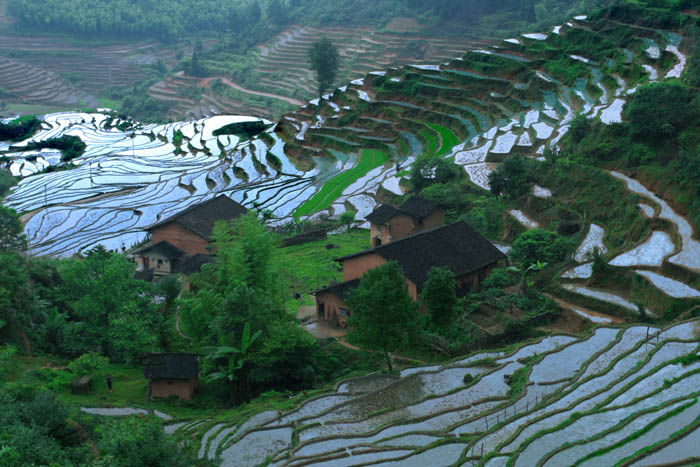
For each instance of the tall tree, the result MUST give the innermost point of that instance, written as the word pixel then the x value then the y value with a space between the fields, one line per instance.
pixel 440 297
pixel 325 62
pixel 110 311
pixel 384 317
pixel 11 231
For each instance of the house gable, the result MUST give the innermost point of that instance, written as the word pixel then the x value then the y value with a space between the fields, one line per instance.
pixel 183 238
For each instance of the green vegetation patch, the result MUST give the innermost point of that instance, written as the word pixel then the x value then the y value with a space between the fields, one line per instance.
pixel 245 130
pixel 333 188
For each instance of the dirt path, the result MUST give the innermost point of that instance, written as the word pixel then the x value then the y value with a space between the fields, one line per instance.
pixel 585 313
pixel 394 357
pixel 235 86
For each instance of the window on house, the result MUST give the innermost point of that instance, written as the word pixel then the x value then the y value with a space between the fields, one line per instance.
pixel 343 312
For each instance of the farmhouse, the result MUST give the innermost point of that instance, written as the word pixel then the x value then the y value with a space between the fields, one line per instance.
pixel 388 223
pixel 180 244
pixel 191 229
pixel 456 246
pixel 172 374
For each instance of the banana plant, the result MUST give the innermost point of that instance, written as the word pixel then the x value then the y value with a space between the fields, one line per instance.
pixel 524 271
pixel 233 369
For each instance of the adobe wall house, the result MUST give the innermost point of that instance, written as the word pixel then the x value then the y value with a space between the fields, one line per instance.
pixel 191 229
pixel 172 374
pixel 457 247
pixel 180 243
pixel 160 257
pixel 389 223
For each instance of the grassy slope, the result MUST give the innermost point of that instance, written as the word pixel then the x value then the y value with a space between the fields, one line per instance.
pixel 333 188
pixel 311 266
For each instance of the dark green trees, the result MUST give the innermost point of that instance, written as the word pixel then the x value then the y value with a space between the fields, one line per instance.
pixel 440 298
pixel 325 62
pixel 513 177
pixel 384 316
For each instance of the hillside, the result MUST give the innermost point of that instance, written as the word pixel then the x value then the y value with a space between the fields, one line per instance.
pixel 581 137
pixel 131 56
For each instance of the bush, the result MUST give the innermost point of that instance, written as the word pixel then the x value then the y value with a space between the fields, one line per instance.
pixel 87 363
pixel 580 127
pixel 430 169
pixel 540 245
pixel 70 146
pixel 499 279
pixel 514 176
pixel 660 110
pixel 19 129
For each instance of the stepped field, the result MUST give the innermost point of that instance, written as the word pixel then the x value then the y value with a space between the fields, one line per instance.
pixel 625 395
pixel 350 147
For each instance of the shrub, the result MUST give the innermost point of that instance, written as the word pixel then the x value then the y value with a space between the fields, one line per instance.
pixel 540 245
pixel 659 110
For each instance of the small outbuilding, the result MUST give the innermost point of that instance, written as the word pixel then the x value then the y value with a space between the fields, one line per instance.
pixel 172 374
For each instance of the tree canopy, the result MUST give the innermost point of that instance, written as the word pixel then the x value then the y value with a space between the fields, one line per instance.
pixel 440 297
pixel 540 245
pixel 384 317
pixel 325 62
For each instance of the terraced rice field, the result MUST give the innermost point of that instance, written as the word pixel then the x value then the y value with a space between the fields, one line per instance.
pixel 284 65
pixel 333 188
pixel 55 71
pixel 344 150
pixel 619 394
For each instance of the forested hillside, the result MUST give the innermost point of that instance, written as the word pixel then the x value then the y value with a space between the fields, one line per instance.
pixel 170 19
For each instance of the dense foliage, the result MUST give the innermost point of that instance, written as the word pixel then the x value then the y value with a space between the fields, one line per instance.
pixel 241 291
pixel 19 129
pixel 38 429
pixel 325 62
pixel 253 21
pixel 70 146
pixel 540 245
pixel 384 316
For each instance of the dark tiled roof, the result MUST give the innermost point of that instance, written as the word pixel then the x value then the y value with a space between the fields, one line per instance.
pixel 164 248
pixel 382 213
pixel 340 290
pixel 171 366
pixel 456 246
pixel 192 263
pixel 200 218
pixel 418 207
pixel 413 206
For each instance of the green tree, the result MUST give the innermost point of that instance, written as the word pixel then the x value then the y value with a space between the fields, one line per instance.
pixel 431 169
pixel 7 181
pixel 523 271
pixel 325 62
pixel 514 176
pixel 661 110
pixel 18 304
pixel 12 236
pixel 540 245
pixel 87 363
pixel 232 364
pixel 109 310
pixel 242 289
pixel 440 298
pixel 384 317
pixel 580 127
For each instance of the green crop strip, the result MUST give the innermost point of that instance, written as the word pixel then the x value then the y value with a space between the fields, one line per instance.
pixel 449 140
pixel 333 188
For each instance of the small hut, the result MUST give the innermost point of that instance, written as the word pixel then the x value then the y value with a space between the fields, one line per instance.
pixel 172 374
